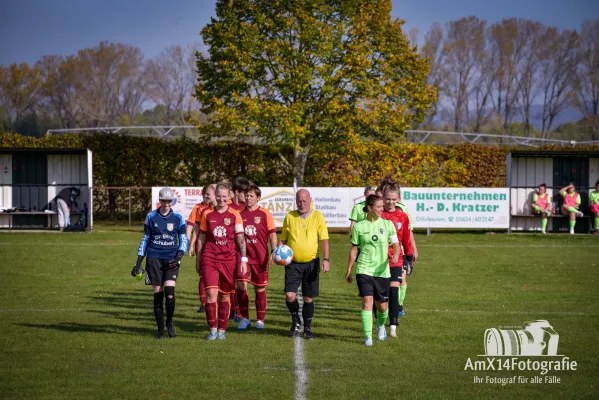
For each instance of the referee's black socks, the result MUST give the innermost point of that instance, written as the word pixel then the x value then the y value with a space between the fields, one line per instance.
pixel 308 313
pixel 170 304
pixel 293 308
pixel 158 312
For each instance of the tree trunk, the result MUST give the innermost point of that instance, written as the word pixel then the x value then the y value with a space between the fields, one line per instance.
pixel 300 156
pixel 527 120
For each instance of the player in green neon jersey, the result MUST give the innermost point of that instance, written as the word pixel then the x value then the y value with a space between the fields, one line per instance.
pixel 372 237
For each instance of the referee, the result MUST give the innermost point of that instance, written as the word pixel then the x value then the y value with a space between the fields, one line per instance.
pixel 302 230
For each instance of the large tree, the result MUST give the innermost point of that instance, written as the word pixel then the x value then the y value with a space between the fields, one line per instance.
pixel 19 89
pixel 109 85
pixel 310 72
pixel 508 47
pixel 586 79
pixel 528 69
pixel 463 52
pixel 58 89
pixel 432 50
pixel 170 78
pixel 557 74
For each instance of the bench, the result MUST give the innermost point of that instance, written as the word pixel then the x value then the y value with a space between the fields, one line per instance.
pixel 12 214
pixel 563 221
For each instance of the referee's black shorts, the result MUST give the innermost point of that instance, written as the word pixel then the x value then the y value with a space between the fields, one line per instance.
pixel 375 287
pixel 304 274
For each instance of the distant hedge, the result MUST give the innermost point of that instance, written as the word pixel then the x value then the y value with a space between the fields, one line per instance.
pixel 133 161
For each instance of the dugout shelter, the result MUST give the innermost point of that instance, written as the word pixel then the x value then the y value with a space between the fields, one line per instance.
pixel 527 169
pixel 30 180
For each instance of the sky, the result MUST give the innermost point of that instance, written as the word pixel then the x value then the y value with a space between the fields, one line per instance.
pixel 30 29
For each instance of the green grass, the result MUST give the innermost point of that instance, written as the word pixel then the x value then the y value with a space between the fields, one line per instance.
pixel 76 325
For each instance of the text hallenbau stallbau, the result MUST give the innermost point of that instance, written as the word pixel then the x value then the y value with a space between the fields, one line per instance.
pixel 454 196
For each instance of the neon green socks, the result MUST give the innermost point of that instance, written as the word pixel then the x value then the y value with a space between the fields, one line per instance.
pixel 402 293
pixel 597 223
pixel 544 224
pixel 381 318
pixel 572 224
pixel 367 323
pixel 572 210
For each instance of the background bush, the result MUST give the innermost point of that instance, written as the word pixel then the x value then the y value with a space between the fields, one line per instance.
pixel 143 162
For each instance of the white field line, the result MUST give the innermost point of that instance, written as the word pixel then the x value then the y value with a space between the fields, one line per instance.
pixel 440 245
pixel 324 306
pixel 68 244
pixel 287 369
pixel 421 310
pixel 301 374
pixel 509 246
pixel 503 246
pixel 18 310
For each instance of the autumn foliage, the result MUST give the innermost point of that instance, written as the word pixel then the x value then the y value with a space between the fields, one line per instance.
pixel 133 161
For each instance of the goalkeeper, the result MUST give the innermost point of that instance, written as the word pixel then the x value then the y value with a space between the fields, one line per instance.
pixel 165 243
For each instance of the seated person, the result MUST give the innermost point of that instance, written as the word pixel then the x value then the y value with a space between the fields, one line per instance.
pixel 571 204
pixel 594 203
pixel 541 205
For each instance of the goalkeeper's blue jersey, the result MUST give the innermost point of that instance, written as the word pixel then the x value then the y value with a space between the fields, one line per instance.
pixel 164 235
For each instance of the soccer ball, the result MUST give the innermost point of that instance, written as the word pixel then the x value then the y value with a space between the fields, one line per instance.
pixel 282 255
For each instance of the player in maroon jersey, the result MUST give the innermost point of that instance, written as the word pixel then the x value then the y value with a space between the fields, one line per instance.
pixel 208 197
pixel 401 222
pixel 239 186
pixel 220 232
pixel 260 229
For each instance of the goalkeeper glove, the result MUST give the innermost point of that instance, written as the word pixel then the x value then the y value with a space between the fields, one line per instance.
pixel 409 266
pixel 137 268
pixel 174 263
pixel 136 271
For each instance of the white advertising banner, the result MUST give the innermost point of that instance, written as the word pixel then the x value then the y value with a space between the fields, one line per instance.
pixel 457 208
pixel 428 207
pixel 186 198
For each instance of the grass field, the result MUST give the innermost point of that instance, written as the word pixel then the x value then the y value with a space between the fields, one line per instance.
pixel 75 325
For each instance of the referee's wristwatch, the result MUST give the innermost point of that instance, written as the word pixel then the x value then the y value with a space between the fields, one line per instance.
pixel 326 259
pixel 244 259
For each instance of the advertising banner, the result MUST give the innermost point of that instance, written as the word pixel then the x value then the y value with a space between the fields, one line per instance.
pixel 457 207
pixel 428 207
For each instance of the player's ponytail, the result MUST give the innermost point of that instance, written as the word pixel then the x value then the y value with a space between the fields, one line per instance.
pixel 384 184
pixel 369 188
pixel 392 188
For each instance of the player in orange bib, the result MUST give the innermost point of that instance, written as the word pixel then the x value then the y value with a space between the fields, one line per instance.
pixel 260 229
pixel 194 217
pixel 571 205
pixel 220 233
pixel 541 205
